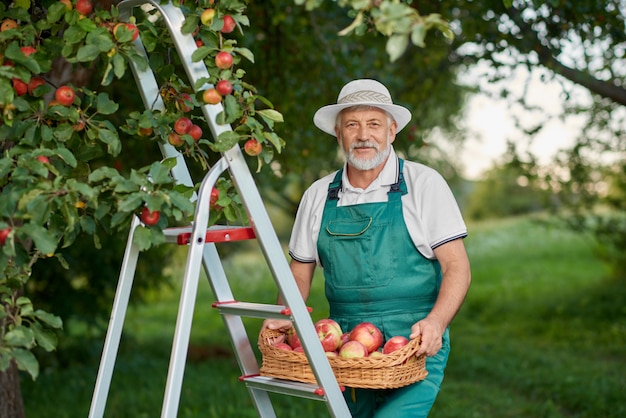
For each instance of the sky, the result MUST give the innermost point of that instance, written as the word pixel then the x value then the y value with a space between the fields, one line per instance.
pixel 490 122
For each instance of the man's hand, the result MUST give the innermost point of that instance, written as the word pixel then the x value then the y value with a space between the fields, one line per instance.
pixel 277 324
pixel 431 332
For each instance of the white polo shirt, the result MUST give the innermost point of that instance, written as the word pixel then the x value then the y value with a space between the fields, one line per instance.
pixel 430 210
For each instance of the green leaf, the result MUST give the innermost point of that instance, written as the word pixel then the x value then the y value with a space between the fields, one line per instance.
pixel 119 65
pixel 105 105
pixel 246 53
pixel 20 336
pixel 103 173
pixel 44 240
pixel 112 140
pixel 159 174
pixel 142 238
pixel 45 338
pixel 396 45
pixel 190 24
pixel 271 114
pixel 508 3
pixel 26 361
pixel 226 140
pixel 49 319
pixel 130 203
pixel 7 94
pixel 87 53
pixel 67 156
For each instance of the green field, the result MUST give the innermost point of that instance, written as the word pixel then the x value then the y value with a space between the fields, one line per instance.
pixel 541 334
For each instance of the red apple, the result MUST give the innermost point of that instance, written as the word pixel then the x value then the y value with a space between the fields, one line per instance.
pixel 43 159
pixel 229 24
pixel 68 4
pixel 8 24
pixel 224 87
pixel 196 132
pixel 27 50
pixel 283 346
pixel 376 354
pixel 367 334
pixel 4 234
pixel 329 333
pixel 84 7
pixel 175 139
pixel 395 343
pixel 129 26
pixel 331 354
pixel 353 349
pixel 345 337
pixel 211 96
pixel 65 96
pixel 184 102
pixel 206 17
pixel 215 195
pixel 19 86
pixel 298 349
pixel 292 339
pixel 149 217
pixel 252 147
pixel 183 125
pixel 34 83
pixel 223 60
pixel 144 131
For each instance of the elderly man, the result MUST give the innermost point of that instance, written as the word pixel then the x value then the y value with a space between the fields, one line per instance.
pixel 388 235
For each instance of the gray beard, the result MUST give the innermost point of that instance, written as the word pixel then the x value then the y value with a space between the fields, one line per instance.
pixel 367 164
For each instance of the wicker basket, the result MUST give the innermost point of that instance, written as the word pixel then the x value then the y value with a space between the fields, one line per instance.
pixel 394 370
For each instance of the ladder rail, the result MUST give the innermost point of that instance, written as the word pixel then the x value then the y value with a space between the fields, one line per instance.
pixel 116 324
pixel 203 254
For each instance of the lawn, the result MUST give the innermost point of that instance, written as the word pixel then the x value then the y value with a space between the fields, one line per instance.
pixel 541 334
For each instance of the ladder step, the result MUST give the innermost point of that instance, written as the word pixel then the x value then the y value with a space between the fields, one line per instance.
pixel 285 387
pixel 254 310
pixel 215 233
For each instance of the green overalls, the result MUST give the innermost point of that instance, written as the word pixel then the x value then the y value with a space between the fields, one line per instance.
pixel 375 273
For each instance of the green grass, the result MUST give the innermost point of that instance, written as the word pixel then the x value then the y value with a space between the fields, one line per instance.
pixel 541 334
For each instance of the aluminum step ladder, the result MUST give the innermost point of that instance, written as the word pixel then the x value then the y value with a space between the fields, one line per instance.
pixel 201 241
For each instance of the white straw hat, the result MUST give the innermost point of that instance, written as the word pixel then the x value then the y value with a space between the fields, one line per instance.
pixel 356 93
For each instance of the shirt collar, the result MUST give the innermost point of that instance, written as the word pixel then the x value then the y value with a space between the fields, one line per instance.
pixel 387 176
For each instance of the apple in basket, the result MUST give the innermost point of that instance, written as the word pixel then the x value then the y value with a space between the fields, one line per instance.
pixel 283 346
pixel 345 337
pixel 353 349
pixel 329 333
pixel 367 334
pixel 376 354
pixel 394 343
pixel 292 338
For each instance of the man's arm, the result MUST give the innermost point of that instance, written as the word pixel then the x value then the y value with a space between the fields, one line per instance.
pixel 456 278
pixel 303 274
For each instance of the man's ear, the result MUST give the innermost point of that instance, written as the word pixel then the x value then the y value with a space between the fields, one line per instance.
pixel 392 131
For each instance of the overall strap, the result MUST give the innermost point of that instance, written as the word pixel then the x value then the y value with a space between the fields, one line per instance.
pixel 334 187
pixel 399 185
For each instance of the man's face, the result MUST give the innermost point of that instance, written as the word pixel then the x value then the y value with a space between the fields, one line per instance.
pixel 365 136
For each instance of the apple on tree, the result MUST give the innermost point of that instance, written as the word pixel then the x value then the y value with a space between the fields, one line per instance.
pixel 211 96
pixel 215 196
pixel 224 87
pixel 229 24
pixel 183 125
pixel 4 234
pixel 34 83
pixel 84 7
pixel 65 96
pixel 224 60
pixel 149 217
pixel 329 333
pixel 367 334
pixel 19 86
pixel 175 139
pixel 206 17
pixel 43 159
pixel 195 132
pixel 8 24
pixel 395 343
pixel 252 147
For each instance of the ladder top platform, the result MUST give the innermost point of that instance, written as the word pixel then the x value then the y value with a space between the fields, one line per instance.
pixel 215 233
